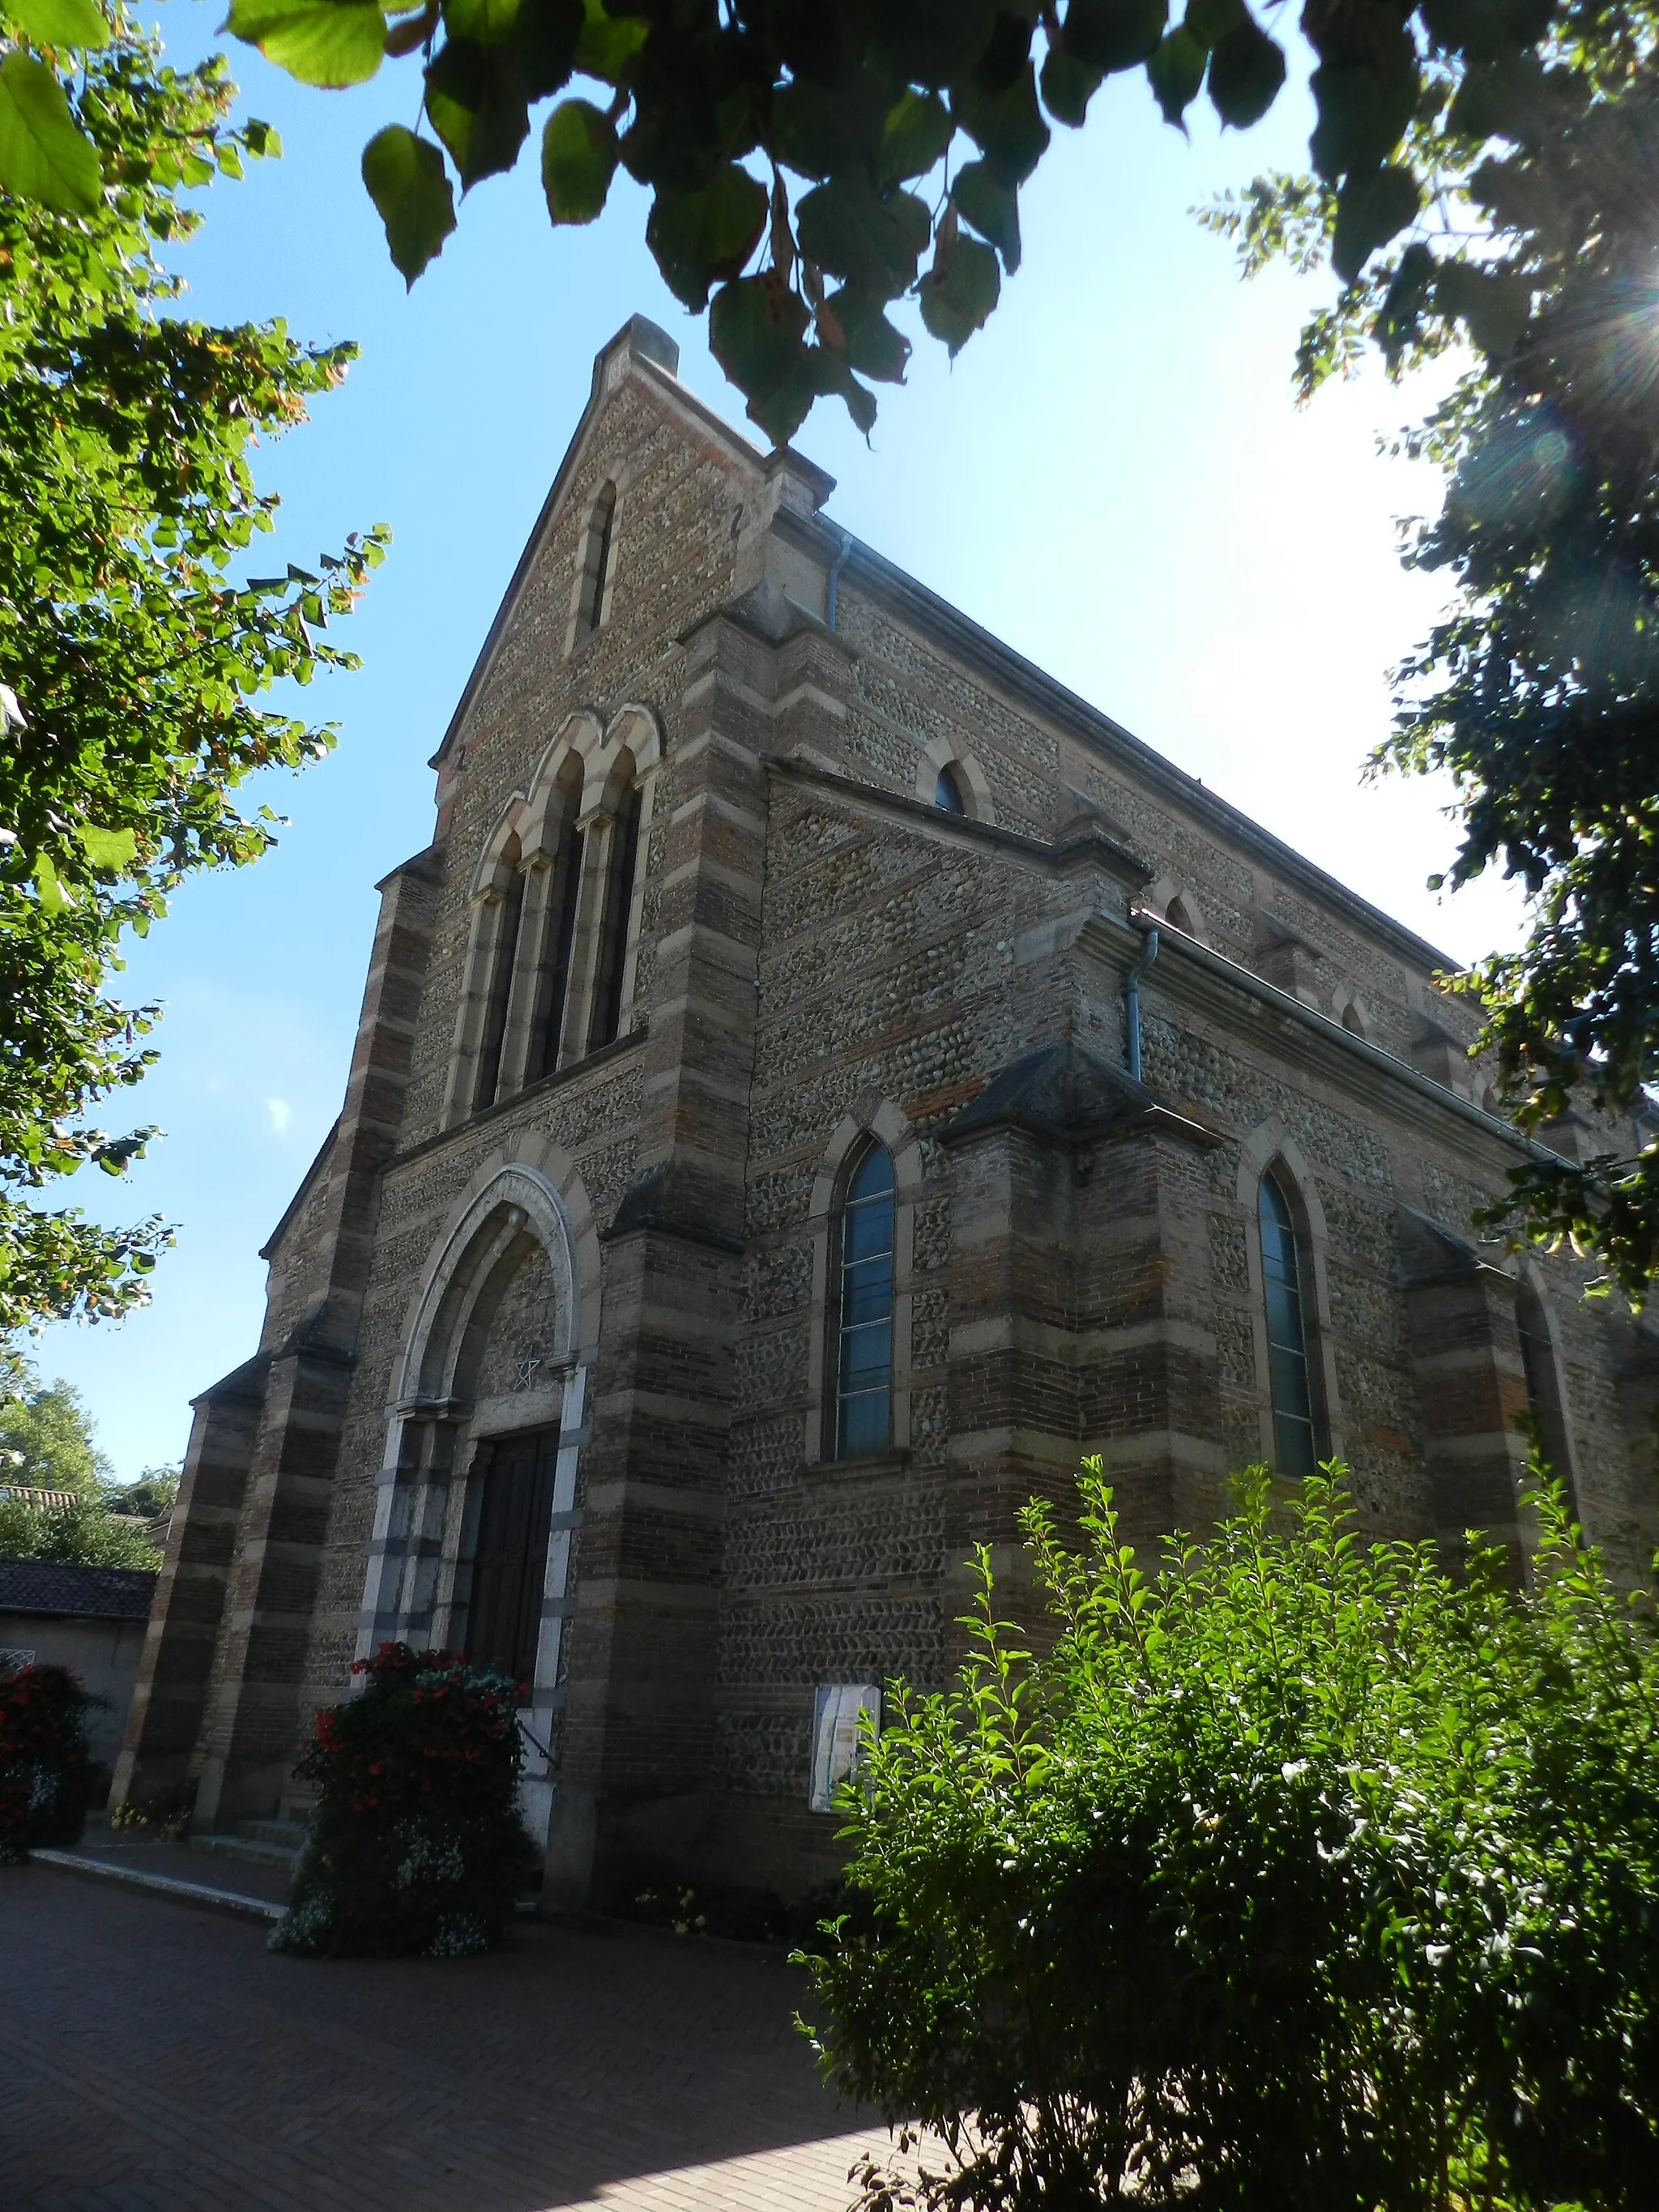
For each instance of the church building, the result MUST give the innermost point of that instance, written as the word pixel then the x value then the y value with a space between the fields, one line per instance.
pixel 823 1079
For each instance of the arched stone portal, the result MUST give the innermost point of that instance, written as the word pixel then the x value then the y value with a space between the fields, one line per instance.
pixel 479 1489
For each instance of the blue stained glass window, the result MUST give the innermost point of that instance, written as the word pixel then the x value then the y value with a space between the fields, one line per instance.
pixel 1287 1336
pixel 864 1366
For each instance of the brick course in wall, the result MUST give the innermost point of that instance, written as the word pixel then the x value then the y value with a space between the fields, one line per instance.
pixel 635 1255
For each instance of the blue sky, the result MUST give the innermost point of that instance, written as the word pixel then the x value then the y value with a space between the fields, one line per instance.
pixel 1112 476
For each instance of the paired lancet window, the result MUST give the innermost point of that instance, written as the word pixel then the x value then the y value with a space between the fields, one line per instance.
pixel 552 947
pixel 1284 1297
pixel 864 1328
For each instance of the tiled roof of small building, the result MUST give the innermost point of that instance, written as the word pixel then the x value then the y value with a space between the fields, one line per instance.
pixel 93 1593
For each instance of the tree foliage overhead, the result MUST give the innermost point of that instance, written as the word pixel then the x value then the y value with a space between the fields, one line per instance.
pixel 811 164
pixel 1307 1875
pixel 132 660
pixel 1539 691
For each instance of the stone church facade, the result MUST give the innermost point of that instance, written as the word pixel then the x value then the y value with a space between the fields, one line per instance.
pixel 821 1080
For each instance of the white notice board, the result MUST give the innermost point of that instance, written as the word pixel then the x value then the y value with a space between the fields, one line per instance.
pixel 837 1719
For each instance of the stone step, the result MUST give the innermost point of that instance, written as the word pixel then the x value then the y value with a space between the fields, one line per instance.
pixel 106 1867
pixel 250 1848
pixel 290 1834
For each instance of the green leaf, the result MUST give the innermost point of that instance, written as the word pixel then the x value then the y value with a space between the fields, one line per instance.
pixel 1504 99
pixel 954 310
pixel 914 137
pixel 607 43
pixel 331 43
pixel 408 183
pixel 871 239
pixel 77 24
pixel 1247 69
pixel 1211 20
pixel 874 347
pixel 475 97
pixel 53 897
pixel 1398 319
pixel 1175 73
pixel 1371 209
pixel 578 159
pixel 44 154
pixel 817 127
pixel 1362 117
pixel 114 849
pixel 1494 303
pixel 1069 85
pixel 992 207
pixel 756 327
pixel 702 237
pixel 486 21
pixel 1007 124
pixel 1111 34
pixel 545 44
pixel 1484 29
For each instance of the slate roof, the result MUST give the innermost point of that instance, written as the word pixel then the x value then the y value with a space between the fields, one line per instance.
pixel 83 1593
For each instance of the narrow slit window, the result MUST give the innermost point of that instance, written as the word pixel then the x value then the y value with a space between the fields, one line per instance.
pixel 598 564
pixel 948 793
pixel 561 922
pixel 864 1361
pixel 1294 1446
pixel 612 965
pixel 504 952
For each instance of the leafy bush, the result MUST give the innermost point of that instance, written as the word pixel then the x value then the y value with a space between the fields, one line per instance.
pixel 46 1761
pixel 415 1843
pixel 83 1532
pixel 1303 1875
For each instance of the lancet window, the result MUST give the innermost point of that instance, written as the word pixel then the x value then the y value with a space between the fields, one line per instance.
pixel 1284 1292
pixel 507 917
pixel 611 964
pixel 864 1331
pixel 596 565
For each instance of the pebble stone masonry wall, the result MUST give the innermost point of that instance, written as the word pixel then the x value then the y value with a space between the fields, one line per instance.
pixel 823 956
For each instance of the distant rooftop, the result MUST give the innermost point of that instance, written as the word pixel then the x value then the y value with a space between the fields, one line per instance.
pixel 81 1593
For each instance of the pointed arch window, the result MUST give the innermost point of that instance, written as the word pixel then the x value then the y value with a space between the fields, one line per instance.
pixel 508 913
pixel 610 967
pixel 596 567
pixel 1544 1389
pixel 864 1329
pixel 948 793
pixel 554 993
pixel 1295 1447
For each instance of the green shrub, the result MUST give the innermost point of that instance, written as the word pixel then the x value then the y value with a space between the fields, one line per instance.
pixel 83 1532
pixel 1305 1875
pixel 46 1761
pixel 415 1843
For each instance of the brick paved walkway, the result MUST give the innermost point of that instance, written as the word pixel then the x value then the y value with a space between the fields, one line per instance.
pixel 156 2058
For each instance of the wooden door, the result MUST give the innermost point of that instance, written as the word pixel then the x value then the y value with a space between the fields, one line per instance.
pixel 509 1563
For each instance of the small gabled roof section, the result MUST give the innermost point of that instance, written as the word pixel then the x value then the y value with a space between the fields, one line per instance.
pixel 1071 1095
